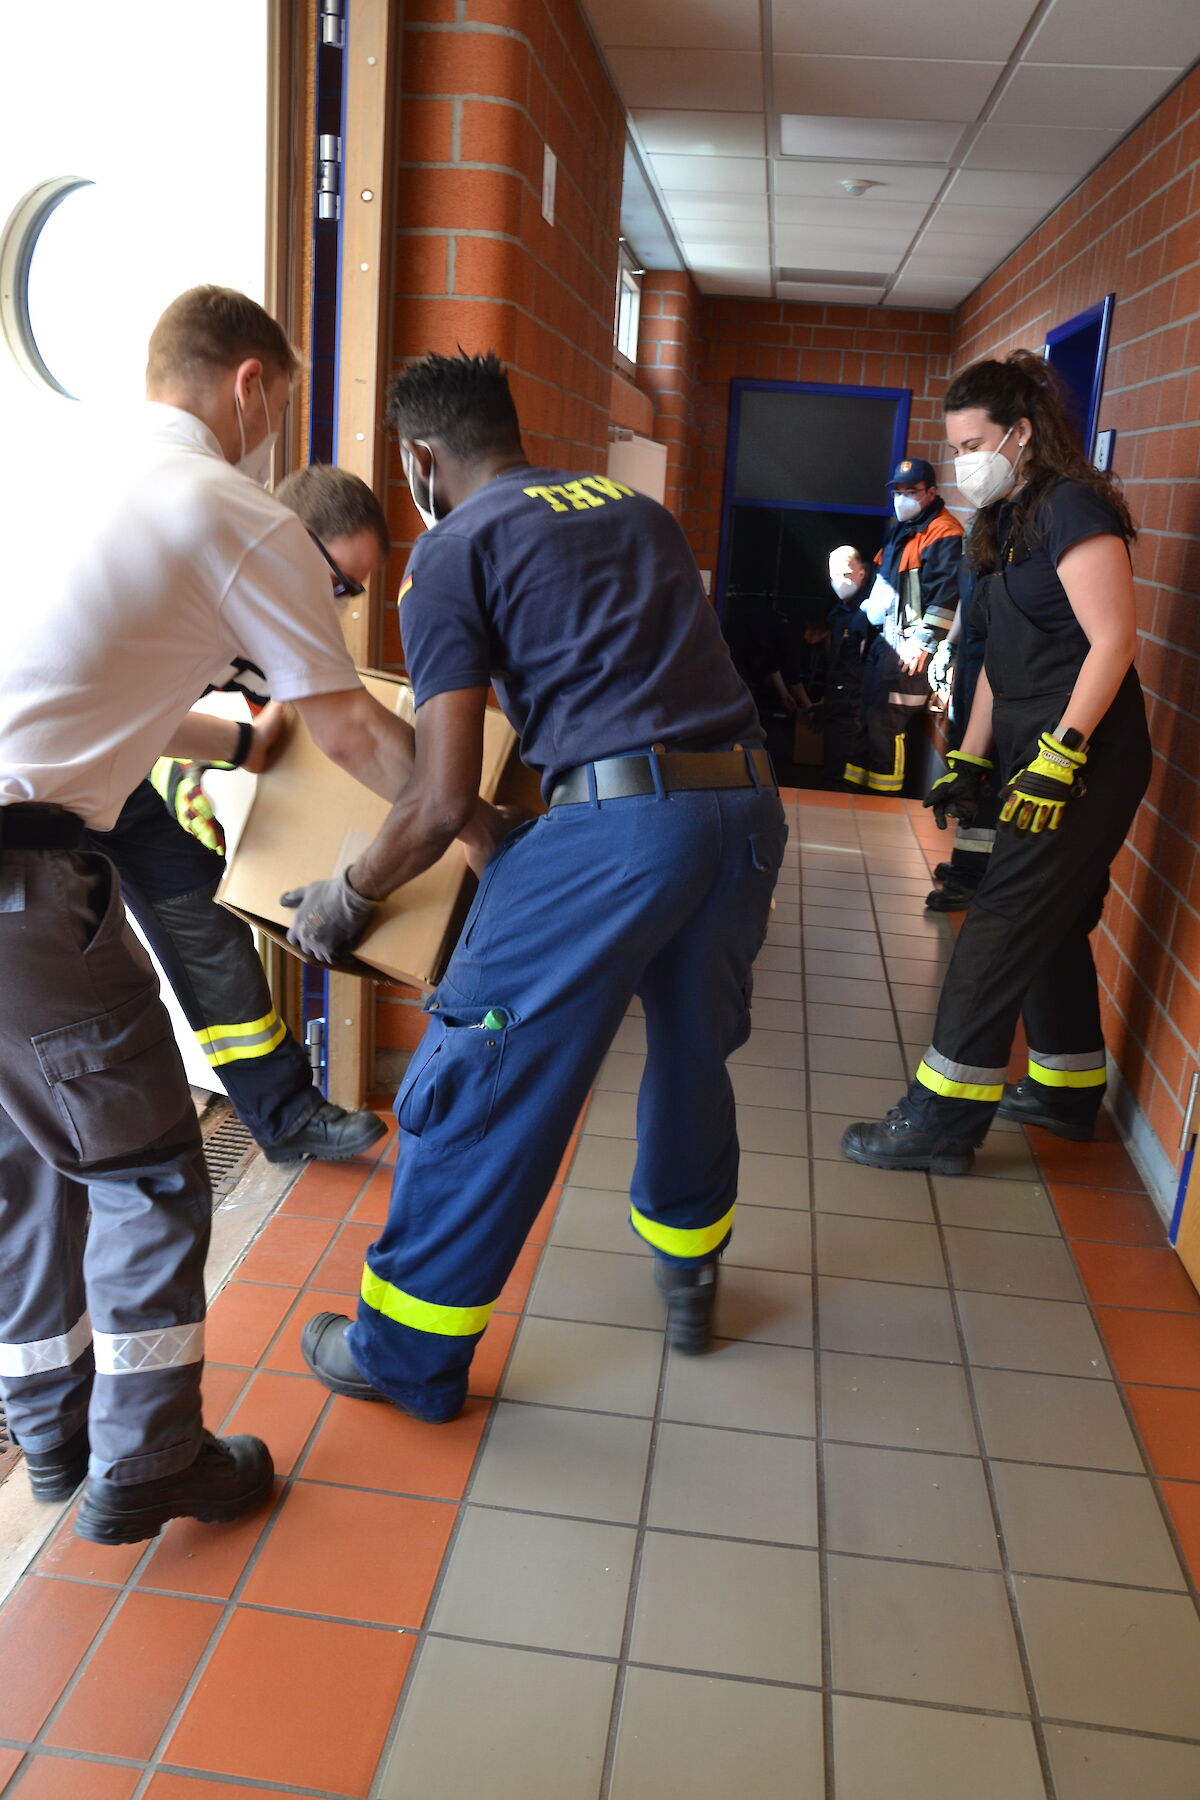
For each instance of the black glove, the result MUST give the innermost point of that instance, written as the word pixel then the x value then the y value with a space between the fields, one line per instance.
pixel 330 918
pixel 958 791
pixel 1035 797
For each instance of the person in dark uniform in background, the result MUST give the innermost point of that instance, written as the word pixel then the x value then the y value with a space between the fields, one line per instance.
pixel 651 875
pixel 170 858
pixel 954 670
pixel 1059 713
pixel 913 601
pixel 850 577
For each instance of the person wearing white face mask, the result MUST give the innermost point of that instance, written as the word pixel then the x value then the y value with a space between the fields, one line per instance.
pixel 913 603
pixel 1059 722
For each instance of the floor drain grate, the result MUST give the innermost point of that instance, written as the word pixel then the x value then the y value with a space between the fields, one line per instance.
pixel 228 1150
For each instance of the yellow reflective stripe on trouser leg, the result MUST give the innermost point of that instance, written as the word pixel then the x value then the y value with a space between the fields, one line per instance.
pixel 421 1315
pixel 1068 1071
pixel 237 1043
pixel 890 784
pixel 959 1081
pixel 682 1243
pixel 853 773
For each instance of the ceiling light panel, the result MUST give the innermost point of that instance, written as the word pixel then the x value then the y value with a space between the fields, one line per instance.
pixel 716 80
pixel 829 292
pixel 893 181
pixel 713 174
pixel 717 24
pixel 872 140
pixel 974 34
pixel 701 133
pixel 1113 98
pixel 868 214
pixel 879 87
pixel 1045 148
pixel 840 249
pixel 1117 34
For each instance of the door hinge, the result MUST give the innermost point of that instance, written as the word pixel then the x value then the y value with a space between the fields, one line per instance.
pixel 329 178
pixel 333 24
pixel 314 1043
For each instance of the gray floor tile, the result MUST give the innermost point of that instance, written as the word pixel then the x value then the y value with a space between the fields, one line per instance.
pixel 1101 1765
pixel 909 1405
pixel 611 1114
pixel 788 959
pixel 1090 1526
pixel 917 885
pixel 1047 1337
pixel 869 1095
pixel 920 926
pixel 913 999
pixel 549 1584
pixel 850 902
pixel 916 1027
pixel 846 881
pixel 880 1319
pixel 879 1250
pixel 630 1035
pixel 841 990
pixel 828 1129
pixel 852 1022
pixel 765 1180
pixel 542 1459
pixel 535 1724
pixel 777 984
pixel 734 1484
pixel 603 1163
pixel 784 931
pixel 835 917
pixel 603 1368
pixel 599 1286
pixel 1003 1262
pixel 728 1608
pixel 917 1633
pixel 1008 1155
pixel 977 1201
pixel 933 946
pixel 771 1237
pixel 764 1308
pixel 924 1753
pixel 910 1505
pixel 594 1219
pixel 784 1087
pixel 709 1739
pixel 776 1015
pixel 773 1050
pixel 862 1056
pixel 1112 1656
pixel 844 1187
pixel 1055 1419
pixel 841 937
pixel 774 1131
pixel 746 1386
pixel 844 963
pixel 786 910
pixel 621 1072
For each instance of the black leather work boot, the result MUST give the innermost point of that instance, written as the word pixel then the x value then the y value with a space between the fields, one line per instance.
pixel 230 1476
pixel 895 1143
pixel 324 1348
pixel 690 1291
pixel 329 1134
pixel 55 1474
pixel 1027 1103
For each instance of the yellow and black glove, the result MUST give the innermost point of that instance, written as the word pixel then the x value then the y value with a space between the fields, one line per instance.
pixel 959 790
pixel 1034 799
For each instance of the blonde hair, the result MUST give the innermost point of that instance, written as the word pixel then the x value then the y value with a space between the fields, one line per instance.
pixel 211 329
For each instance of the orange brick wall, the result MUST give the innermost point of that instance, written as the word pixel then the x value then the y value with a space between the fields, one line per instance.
pixel 667 353
pixel 1133 229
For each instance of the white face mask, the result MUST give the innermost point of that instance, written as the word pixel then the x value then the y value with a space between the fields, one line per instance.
pixel 906 506
pixel 256 463
pixel 844 589
pixel 428 510
pixel 985 475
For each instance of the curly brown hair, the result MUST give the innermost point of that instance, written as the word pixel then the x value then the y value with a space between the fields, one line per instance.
pixel 1024 386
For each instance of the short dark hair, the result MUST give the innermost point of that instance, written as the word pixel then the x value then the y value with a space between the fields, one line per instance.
pixel 462 401
pixel 334 503
pixel 211 329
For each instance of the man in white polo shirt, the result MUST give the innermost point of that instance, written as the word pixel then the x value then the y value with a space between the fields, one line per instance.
pixel 187 565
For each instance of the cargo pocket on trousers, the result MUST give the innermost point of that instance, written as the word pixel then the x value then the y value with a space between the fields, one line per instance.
pixel 116 1077
pixel 447 1096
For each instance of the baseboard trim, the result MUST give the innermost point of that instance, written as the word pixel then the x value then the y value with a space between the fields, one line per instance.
pixel 1149 1158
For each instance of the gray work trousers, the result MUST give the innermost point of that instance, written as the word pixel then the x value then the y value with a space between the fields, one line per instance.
pixel 101 1322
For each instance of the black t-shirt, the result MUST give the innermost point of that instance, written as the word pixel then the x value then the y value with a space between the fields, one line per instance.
pixel 580 602
pixel 1068 513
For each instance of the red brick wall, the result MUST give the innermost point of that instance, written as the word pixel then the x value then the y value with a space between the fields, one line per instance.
pixel 1133 229
pixel 667 352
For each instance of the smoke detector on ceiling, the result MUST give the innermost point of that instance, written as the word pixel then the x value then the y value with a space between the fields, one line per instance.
pixel 856 189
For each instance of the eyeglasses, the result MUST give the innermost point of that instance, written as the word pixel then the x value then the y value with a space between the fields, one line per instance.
pixel 343 587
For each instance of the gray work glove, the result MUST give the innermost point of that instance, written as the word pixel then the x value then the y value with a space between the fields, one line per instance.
pixel 330 918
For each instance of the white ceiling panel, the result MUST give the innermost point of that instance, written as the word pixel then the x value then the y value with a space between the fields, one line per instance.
pixel 694 232
pixel 883 140
pixel 945 263
pixel 1165 32
pixel 824 249
pixel 705 80
pixel 829 292
pixel 1005 222
pixel 893 181
pixel 1045 148
pixel 978 248
pixel 846 214
pixel 696 204
pixel 717 24
pixel 729 254
pixel 917 290
pixel 880 87
pixel 974 34
pixel 714 174
pixel 756 283
pixel 1109 98
pixel 702 133
pixel 1006 187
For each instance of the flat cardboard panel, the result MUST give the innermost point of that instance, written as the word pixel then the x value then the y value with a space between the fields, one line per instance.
pixel 310 818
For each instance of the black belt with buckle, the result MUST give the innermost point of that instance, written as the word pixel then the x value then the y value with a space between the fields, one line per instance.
pixel 679 771
pixel 29 826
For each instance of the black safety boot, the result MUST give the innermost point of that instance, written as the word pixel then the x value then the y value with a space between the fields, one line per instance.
pixel 953 896
pixel 895 1143
pixel 690 1291
pixel 324 1348
pixel 1025 1101
pixel 944 871
pixel 55 1474
pixel 329 1134
pixel 230 1476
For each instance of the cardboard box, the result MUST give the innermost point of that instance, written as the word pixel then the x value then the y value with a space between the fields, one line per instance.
pixel 310 819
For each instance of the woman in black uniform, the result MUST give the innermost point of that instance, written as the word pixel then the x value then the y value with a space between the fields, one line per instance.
pixel 1058 715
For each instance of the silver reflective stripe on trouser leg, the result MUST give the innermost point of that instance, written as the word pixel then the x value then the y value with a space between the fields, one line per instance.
pixel 45 1354
pixel 148 1352
pixel 959 1081
pixel 1080 1069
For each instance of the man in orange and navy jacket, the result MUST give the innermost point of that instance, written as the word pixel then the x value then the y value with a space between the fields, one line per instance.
pixel 912 602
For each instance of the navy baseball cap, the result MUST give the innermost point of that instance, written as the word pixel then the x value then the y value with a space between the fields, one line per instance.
pixel 912 472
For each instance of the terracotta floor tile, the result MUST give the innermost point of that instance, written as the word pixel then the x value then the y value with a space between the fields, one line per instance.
pixel 340 1270
pixel 1125 1275
pixel 53 1778
pixel 371 1207
pixel 282 1410
pixel 8 1762
pixel 354 1555
pixel 561 1172
pixel 1169 1421
pixel 67 1554
pixel 1162 1349
pixel 164 1786
pixel 327 1190
pixel 61 1618
pixel 220 1387
pixel 515 1291
pixel 206 1560
pixel 1108 1216
pixel 284 1353
pixel 242 1320
pixel 360 1445
pixel 540 1229
pixel 286 1251
pixel 487 1367
pixel 1183 1499
pixel 287 1700
pixel 149 1651
pixel 1103 1164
